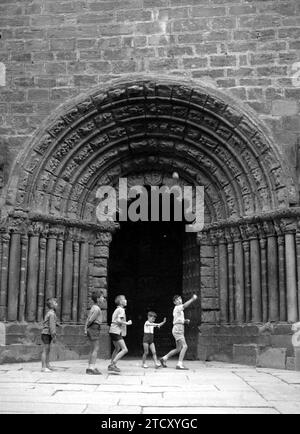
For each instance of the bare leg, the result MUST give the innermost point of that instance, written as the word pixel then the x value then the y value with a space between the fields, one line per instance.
pixel 94 353
pixel 115 352
pixel 153 351
pixel 44 356
pixel 173 352
pixel 121 353
pixel 182 352
pixel 146 352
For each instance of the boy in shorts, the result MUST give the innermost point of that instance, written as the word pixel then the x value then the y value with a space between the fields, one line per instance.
pixel 49 333
pixel 117 332
pixel 178 331
pixel 92 331
pixel 148 340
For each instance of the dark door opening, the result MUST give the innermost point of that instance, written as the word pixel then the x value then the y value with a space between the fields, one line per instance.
pixel 146 265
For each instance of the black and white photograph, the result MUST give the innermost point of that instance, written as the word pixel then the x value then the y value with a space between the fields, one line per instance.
pixel 149 210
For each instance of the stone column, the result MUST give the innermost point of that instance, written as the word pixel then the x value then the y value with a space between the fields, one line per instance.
pixel 290 227
pixel 264 273
pixel 298 268
pixel 59 272
pixel 51 264
pixel 14 276
pixel 239 275
pixel 247 267
pixel 67 279
pixel 84 276
pixel 75 312
pixel 282 273
pixel 223 278
pixel 4 275
pixel 23 276
pixel 42 270
pixel 256 296
pixel 230 254
pixel 33 274
pixel 273 287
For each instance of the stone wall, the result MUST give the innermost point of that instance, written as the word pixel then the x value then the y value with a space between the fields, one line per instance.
pixel 54 50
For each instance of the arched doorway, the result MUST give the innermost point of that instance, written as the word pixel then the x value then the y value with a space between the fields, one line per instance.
pixel 52 243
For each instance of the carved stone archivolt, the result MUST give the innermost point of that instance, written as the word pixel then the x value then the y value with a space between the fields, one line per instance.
pixel 132 127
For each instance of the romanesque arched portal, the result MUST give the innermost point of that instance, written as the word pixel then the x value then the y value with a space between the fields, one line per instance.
pixel 52 244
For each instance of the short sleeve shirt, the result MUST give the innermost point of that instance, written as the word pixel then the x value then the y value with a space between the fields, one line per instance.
pixel 115 327
pixel 148 328
pixel 96 310
pixel 178 314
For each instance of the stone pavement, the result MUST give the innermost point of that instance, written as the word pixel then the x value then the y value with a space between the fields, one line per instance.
pixel 206 388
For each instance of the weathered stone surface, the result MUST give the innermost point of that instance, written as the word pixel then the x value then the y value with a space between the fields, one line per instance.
pixel 2 334
pixel 271 358
pixel 245 354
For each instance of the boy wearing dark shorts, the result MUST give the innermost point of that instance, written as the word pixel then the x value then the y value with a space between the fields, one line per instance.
pixel 117 332
pixel 48 333
pixel 148 340
pixel 92 331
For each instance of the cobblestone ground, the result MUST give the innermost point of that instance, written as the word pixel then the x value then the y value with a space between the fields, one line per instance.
pixel 205 388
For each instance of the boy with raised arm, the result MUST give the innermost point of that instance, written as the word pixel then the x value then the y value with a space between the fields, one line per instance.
pixel 117 331
pixel 148 340
pixel 178 331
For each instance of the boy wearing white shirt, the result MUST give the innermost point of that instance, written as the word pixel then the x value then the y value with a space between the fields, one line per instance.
pixel 178 331
pixel 148 340
pixel 117 332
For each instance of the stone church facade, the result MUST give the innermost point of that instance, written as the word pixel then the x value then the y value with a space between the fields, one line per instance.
pixel 139 89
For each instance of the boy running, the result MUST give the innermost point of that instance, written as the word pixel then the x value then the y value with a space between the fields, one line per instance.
pixel 117 331
pixel 48 333
pixel 92 331
pixel 178 331
pixel 148 340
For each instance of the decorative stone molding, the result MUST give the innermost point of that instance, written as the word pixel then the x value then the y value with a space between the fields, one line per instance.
pixel 86 142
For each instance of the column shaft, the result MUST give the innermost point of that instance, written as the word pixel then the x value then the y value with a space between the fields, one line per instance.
pixel 51 267
pixel 23 276
pixel 4 276
pixel 33 277
pixel 83 283
pixel 14 277
pixel 67 281
pixel 231 282
pixel 42 271
pixel 273 290
pixel 255 281
pixel 223 279
pixel 75 312
pixel 264 279
pixel 291 282
pixel 282 279
pixel 239 282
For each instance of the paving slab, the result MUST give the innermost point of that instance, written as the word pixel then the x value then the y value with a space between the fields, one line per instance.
pixel 209 410
pixel 207 388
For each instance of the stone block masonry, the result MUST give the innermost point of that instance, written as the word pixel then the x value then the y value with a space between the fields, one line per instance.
pixel 55 50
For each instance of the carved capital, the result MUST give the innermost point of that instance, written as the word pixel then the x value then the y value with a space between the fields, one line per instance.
pixel 103 238
pixel 269 228
pixel 289 225
pixel 251 231
pixel 235 234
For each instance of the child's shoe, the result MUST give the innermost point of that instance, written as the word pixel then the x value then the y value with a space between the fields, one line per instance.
pixel 46 370
pixel 145 366
pixel 182 368
pixel 158 366
pixel 163 362
pixel 114 368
